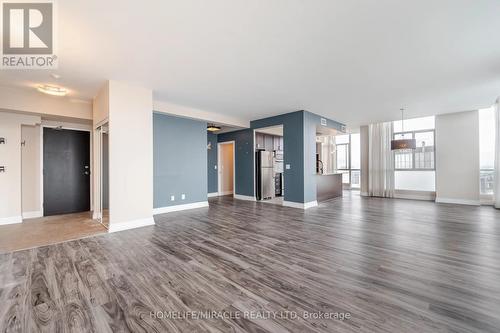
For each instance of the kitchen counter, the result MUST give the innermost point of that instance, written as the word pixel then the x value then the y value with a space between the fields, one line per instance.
pixel 328 186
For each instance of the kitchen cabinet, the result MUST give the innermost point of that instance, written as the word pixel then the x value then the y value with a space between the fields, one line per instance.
pixel 259 140
pixel 268 142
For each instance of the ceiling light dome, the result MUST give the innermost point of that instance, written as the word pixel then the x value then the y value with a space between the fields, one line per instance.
pixel 52 90
pixel 213 128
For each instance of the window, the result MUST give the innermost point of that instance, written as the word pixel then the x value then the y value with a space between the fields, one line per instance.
pixel 421 158
pixel 415 169
pixel 487 149
pixel 348 159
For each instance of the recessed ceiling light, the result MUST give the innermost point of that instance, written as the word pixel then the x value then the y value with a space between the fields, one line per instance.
pixel 52 90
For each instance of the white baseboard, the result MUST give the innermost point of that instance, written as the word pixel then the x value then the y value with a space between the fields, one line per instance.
pixel 32 215
pixel 176 208
pixel 458 201
pixel 363 194
pixel 11 220
pixel 300 205
pixel 244 197
pixel 213 194
pixel 225 193
pixel 114 227
pixel 415 195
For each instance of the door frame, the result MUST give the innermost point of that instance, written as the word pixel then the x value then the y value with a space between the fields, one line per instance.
pixel 219 144
pixel 42 126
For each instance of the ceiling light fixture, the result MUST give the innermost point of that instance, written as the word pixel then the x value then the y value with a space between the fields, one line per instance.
pixel 213 128
pixel 52 90
pixel 403 144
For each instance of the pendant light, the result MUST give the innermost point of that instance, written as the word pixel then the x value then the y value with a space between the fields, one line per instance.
pixel 403 144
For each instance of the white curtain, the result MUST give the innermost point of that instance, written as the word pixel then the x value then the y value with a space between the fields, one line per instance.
pixel 497 155
pixel 380 160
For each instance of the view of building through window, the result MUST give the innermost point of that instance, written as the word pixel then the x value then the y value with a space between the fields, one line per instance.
pixel 486 149
pixel 348 158
pixel 415 169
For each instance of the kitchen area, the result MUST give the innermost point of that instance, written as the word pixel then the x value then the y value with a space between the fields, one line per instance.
pixel 269 169
pixel 269 164
pixel 329 179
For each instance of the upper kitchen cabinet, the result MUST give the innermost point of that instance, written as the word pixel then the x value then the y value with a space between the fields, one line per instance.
pixel 259 141
pixel 268 142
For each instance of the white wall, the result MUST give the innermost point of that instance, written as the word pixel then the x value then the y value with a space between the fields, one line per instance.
pixel 10 157
pixel 457 158
pixel 30 100
pixel 31 173
pixel 130 156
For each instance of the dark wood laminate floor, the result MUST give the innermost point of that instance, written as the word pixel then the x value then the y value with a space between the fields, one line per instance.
pixel 393 265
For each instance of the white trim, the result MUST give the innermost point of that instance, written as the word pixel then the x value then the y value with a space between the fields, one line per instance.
pixel 32 215
pixel 244 197
pixel 114 227
pixel 219 144
pixel 363 194
pixel 176 208
pixel 300 205
pixel 458 201
pixel 213 194
pixel 11 220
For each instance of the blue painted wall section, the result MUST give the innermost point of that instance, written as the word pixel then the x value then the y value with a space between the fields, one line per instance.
pixel 212 173
pixel 244 160
pixel 180 160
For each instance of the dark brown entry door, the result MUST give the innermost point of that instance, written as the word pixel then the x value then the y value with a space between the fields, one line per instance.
pixel 66 171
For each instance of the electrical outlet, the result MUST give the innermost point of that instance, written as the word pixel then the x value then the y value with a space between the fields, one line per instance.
pixel 215 167
pixel 288 167
pixel 172 198
pixel 183 196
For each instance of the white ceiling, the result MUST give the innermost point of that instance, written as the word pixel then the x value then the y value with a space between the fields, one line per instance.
pixel 355 61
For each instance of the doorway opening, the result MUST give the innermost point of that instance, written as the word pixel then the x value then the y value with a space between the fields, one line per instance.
pixel 101 211
pixel 225 165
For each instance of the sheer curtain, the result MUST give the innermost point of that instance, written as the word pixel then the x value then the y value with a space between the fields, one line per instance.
pixel 497 155
pixel 380 160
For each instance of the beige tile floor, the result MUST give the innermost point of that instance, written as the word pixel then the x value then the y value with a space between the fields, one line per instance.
pixel 48 230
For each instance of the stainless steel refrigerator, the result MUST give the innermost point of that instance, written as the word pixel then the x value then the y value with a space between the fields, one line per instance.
pixel 266 175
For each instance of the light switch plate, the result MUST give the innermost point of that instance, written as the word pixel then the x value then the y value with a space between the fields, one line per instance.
pixel 288 166
pixel 172 197
pixel 183 196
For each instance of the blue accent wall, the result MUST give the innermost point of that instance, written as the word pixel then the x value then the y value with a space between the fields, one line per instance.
pixel 244 159
pixel 212 173
pixel 180 160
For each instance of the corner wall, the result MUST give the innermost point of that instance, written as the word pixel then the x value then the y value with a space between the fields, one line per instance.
pixel 130 156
